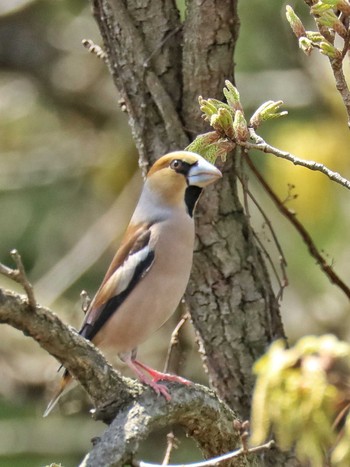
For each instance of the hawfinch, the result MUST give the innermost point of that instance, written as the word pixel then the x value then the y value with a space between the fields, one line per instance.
pixel 149 273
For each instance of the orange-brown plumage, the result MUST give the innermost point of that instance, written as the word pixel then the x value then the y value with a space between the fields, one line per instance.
pixel 149 273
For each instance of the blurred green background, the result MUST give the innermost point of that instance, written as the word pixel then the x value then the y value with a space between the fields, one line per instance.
pixel 69 182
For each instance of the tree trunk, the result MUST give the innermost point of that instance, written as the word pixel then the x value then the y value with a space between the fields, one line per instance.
pixel 232 305
pixel 234 310
pixel 160 67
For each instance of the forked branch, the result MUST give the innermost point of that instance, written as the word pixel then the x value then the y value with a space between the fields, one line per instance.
pixel 120 401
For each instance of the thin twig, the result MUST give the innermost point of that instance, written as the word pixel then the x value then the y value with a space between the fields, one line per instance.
pixel 282 284
pixel 282 259
pixel 174 339
pixel 285 280
pixel 243 429
pixel 243 178
pixel 261 145
pixel 326 268
pixel 171 444
pixel 340 416
pixel 19 276
pixel 215 460
pixel 8 272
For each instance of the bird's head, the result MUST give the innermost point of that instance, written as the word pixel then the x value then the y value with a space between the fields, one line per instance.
pixel 181 175
pixel 184 167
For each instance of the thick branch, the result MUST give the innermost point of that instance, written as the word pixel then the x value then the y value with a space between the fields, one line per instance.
pixel 137 410
pixel 194 408
pixel 79 356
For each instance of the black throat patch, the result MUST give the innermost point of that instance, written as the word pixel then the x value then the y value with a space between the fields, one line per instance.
pixel 192 195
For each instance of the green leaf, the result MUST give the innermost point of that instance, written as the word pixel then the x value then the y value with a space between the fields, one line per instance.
pixel 211 146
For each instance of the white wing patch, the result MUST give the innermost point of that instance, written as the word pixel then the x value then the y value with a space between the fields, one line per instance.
pixel 121 278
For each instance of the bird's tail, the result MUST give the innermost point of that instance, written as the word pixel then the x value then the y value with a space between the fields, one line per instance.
pixel 65 380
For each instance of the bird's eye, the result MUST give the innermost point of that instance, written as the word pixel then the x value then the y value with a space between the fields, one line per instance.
pixel 176 164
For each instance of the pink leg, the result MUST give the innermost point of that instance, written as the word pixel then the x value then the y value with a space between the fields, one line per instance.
pixel 159 376
pixel 155 375
pixel 158 388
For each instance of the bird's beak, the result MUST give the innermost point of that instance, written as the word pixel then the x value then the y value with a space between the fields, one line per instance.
pixel 203 173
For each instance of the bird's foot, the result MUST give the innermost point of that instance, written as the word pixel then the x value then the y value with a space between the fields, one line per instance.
pixel 154 376
pixel 159 376
pixel 159 389
pixel 145 379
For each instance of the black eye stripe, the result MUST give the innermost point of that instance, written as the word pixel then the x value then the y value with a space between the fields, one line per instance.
pixel 181 167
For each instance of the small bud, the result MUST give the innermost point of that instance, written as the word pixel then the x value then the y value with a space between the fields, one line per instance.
pixel 314 37
pixel 240 126
pixel 223 147
pixel 215 122
pixel 328 49
pixel 329 19
pixel 267 111
pixel 257 117
pixel 321 6
pixel 206 107
pixel 340 29
pixel 226 122
pixel 306 45
pixel 324 5
pixel 232 96
pixel 295 22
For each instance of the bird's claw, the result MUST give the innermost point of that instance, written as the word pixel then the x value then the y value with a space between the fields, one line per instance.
pixel 160 389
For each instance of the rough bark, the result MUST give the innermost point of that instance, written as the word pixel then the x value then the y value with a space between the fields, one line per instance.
pixel 79 356
pixel 234 310
pixel 194 408
pixel 210 34
pixel 145 66
pixel 232 304
pixel 238 315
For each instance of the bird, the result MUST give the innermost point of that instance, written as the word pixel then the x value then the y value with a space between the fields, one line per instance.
pixel 148 275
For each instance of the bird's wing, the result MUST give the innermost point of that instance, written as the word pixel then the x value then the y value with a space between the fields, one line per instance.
pixel 132 261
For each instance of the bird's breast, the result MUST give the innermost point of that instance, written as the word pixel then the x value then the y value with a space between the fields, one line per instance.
pixel 158 293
